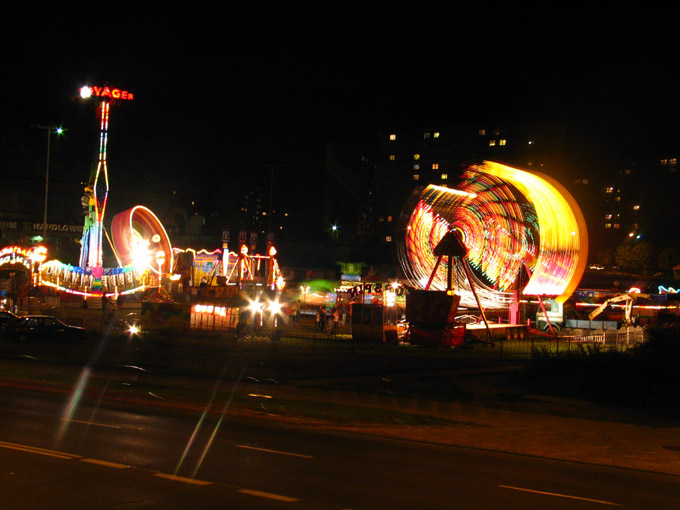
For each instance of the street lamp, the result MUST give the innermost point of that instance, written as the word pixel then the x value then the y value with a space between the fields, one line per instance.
pixel 49 130
pixel 631 235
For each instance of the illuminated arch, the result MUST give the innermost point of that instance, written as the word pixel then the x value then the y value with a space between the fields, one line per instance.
pixel 138 237
pixel 509 219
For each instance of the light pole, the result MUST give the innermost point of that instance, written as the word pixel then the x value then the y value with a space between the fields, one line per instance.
pixel 49 130
pixel 631 235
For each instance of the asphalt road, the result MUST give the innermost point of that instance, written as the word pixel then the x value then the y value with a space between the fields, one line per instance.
pixel 59 451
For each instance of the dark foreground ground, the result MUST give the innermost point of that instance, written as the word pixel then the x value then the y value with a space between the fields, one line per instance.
pixel 465 397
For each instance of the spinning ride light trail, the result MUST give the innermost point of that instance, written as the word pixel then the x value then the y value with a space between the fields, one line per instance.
pixel 139 237
pixel 508 219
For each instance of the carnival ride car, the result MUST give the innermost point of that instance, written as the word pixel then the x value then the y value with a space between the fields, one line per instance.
pixel 42 328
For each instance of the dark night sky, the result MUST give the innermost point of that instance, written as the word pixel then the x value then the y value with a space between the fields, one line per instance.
pixel 216 89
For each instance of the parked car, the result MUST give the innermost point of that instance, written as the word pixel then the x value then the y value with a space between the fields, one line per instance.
pixel 42 328
pixel 5 317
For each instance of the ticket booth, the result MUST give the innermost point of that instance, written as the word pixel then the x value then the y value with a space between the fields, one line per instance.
pixel 368 324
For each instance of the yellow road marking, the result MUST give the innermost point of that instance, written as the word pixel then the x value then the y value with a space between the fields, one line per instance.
pixel 106 463
pixel 183 479
pixel 269 495
pixel 273 451
pixel 567 496
pixel 41 451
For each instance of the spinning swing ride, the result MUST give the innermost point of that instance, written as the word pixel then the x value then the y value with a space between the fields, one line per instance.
pixel 516 225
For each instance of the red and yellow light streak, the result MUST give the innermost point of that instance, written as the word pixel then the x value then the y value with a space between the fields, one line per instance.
pixel 509 219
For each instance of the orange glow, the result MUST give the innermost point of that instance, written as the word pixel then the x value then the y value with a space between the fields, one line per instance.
pixel 509 220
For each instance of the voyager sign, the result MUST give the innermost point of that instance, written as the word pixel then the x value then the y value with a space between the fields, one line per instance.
pixel 106 92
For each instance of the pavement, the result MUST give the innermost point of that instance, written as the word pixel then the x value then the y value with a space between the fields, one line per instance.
pixel 499 418
pixel 495 415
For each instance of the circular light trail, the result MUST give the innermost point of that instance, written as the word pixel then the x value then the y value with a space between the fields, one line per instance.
pixel 138 238
pixel 512 222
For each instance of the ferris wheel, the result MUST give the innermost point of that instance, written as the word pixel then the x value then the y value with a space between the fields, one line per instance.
pixel 517 226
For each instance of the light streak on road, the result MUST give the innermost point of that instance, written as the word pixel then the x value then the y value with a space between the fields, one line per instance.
pixel 199 424
pixel 72 405
pixel 269 495
pixel 558 495
pixel 208 445
pixel 279 452
pixel 95 424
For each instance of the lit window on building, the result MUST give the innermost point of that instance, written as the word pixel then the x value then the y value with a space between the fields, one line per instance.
pixel 617 198
pixel 436 135
pixel 392 157
pixel 492 143
pixel 416 177
pixel 388 239
pixel 664 161
pixel 607 225
pixel 673 161
pixel 389 218
pixel 617 225
pixel 416 157
pixel 416 166
pixel 608 216
pixel 393 137
pixel 435 166
pixel 482 132
pixel 445 177
pixel 636 207
pixel 426 135
pixel 502 142
pixel 609 190
pixel 531 142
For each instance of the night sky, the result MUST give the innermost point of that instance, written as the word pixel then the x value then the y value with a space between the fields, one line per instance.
pixel 219 92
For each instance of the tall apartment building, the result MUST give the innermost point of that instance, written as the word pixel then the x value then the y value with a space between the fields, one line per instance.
pixel 373 186
pixel 638 204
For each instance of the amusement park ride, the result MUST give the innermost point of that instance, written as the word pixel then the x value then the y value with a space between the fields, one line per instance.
pixel 503 226
pixel 137 237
